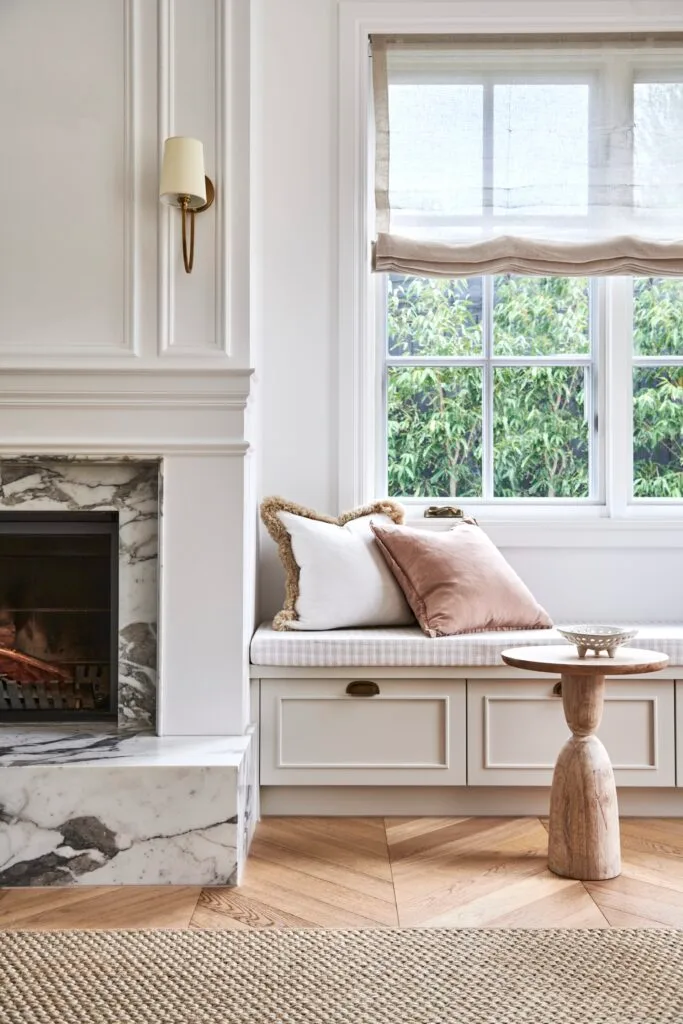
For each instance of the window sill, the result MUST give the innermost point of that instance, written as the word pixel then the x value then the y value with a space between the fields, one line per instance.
pixel 555 530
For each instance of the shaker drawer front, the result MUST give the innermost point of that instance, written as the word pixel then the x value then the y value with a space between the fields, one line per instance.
pixel 516 730
pixel 315 733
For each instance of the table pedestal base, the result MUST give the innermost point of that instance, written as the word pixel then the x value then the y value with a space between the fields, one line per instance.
pixel 584 840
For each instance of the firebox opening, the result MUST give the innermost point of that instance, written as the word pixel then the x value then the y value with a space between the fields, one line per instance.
pixel 58 616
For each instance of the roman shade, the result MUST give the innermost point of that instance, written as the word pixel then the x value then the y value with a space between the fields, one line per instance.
pixel 533 156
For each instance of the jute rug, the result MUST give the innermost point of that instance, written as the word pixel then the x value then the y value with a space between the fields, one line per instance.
pixel 419 976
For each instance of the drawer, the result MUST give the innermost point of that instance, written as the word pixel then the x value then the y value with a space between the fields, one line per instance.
pixel 412 733
pixel 516 730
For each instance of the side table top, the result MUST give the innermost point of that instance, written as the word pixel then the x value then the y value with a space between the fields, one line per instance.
pixel 560 658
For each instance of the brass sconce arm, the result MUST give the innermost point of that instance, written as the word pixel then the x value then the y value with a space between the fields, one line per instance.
pixel 188 258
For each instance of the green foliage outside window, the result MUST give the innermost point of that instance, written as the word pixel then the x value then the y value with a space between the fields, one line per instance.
pixel 539 413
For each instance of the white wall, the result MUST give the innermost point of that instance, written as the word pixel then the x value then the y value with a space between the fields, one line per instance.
pixel 297 148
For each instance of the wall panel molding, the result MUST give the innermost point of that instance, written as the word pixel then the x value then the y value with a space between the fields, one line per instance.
pixel 49 346
pixel 166 98
pixel 211 339
pixel 131 162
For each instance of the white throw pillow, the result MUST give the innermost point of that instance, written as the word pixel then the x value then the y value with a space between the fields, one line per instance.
pixel 336 576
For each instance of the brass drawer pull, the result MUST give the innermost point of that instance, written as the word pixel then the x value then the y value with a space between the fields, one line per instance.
pixel 362 688
pixel 557 688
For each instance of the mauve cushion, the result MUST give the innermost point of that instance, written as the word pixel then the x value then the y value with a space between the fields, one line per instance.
pixel 458 581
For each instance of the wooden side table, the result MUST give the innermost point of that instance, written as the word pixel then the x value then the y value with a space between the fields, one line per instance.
pixel 584 840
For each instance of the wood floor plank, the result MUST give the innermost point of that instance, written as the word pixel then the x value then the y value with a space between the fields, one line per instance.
pixel 503 845
pixel 641 901
pixel 333 847
pixel 344 898
pixel 314 911
pixel 223 909
pixel 400 829
pixel 352 834
pixel 299 860
pixel 127 906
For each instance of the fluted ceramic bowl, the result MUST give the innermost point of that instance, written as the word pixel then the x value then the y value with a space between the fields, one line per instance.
pixel 597 638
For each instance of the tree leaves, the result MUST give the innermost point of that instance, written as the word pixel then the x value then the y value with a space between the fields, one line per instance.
pixel 540 430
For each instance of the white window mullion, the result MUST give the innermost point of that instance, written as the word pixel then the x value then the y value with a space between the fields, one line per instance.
pixel 487 390
pixel 595 397
pixel 619 395
pixel 380 469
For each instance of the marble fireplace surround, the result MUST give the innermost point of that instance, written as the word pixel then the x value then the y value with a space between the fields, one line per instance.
pixel 131 487
pixel 169 794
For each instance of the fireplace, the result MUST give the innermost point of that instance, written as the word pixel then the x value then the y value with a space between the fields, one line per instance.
pixel 58 616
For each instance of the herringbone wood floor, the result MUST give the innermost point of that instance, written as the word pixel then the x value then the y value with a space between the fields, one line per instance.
pixel 375 872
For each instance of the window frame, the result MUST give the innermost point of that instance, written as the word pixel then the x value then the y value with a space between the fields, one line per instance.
pixel 360 392
pixel 487 360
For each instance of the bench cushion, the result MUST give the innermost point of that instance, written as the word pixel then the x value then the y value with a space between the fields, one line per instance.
pixel 408 646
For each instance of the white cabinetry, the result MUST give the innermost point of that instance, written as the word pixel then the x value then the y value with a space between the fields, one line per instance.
pixel 316 732
pixel 516 728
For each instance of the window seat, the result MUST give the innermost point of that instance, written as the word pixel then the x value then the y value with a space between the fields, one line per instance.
pixel 408 646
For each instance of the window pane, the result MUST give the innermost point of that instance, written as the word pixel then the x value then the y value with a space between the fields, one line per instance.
pixel 446 122
pixel 434 431
pixel 433 317
pixel 658 316
pixel 540 149
pixel 540 433
pixel 541 316
pixel 658 145
pixel 658 432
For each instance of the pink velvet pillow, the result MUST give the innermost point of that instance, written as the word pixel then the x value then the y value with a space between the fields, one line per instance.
pixel 458 581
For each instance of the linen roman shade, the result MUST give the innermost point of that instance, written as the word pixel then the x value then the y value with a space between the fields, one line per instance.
pixel 540 156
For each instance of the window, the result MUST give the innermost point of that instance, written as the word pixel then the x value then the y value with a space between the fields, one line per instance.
pixel 499 386
pixel 491 388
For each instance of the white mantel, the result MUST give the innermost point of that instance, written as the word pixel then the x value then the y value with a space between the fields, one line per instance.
pixel 195 424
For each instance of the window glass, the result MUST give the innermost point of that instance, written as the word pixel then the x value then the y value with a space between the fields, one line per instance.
pixel 434 316
pixel 540 149
pixel 445 121
pixel 658 431
pixel 657 144
pixel 434 431
pixel 658 316
pixel 540 432
pixel 541 316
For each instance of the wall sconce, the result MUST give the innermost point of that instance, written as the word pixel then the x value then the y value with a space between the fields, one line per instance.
pixel 184 184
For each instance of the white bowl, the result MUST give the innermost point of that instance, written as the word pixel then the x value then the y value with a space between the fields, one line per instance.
pixel 597 638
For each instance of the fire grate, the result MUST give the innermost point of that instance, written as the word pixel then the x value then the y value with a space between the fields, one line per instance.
pixel 89 691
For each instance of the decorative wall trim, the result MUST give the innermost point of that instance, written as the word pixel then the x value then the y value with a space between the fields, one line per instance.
pixel 129 345
pixel 131 161
pixel 222 132
pixel 125 389
pixel 166 105
pixel 115 448
pixel 218 345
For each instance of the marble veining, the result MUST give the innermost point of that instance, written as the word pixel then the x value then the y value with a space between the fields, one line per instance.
pixel 67 825
pixel 130 487
pixel 58 745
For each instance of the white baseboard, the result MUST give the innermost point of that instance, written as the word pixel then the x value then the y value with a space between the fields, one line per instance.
pixel 404 801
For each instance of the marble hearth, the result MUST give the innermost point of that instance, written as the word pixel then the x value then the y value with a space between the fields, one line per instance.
pixel 86 808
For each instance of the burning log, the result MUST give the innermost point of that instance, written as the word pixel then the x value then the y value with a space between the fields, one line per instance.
pixel 23 668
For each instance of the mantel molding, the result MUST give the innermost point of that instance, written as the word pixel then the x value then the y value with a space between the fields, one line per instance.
pixel 122 389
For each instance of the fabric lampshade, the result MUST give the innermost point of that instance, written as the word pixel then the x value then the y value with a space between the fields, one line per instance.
pixel 182 173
